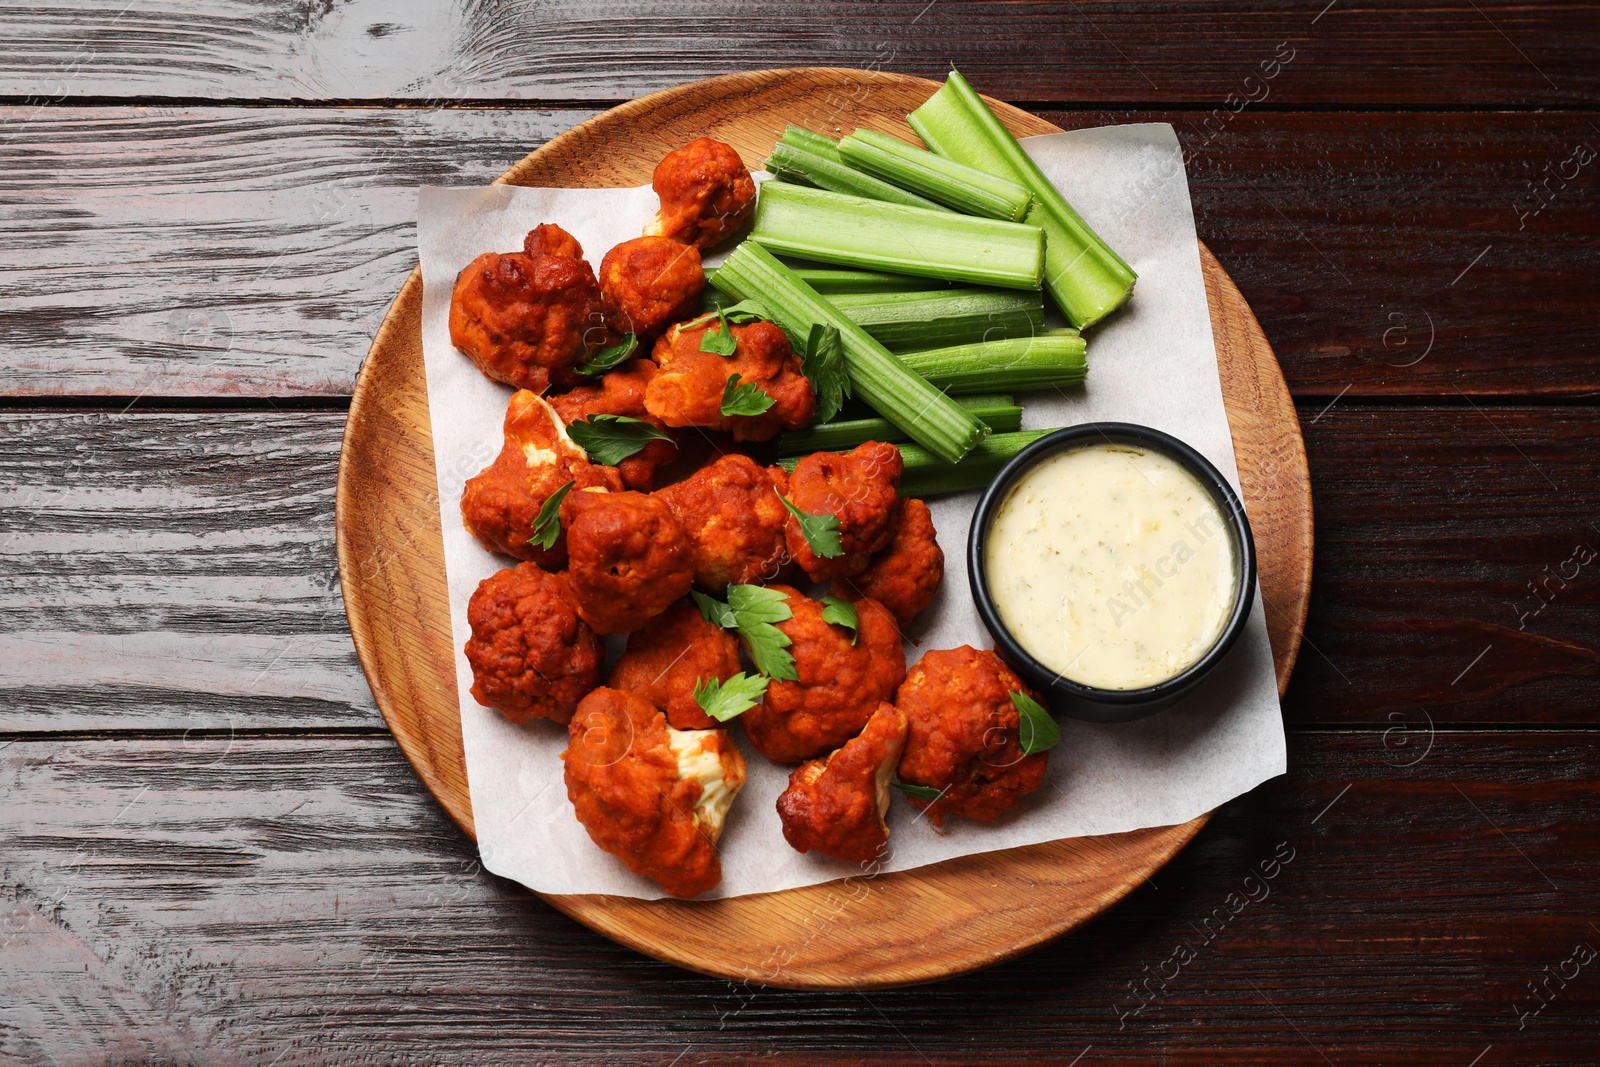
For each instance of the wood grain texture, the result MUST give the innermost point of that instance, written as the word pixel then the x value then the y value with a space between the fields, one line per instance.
pixel 1454 52
pixel 227 902
pixel 128 542
pixel 226 252
pixel 919 925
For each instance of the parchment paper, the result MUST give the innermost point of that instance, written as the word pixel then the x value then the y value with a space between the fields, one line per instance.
pixel 1153 362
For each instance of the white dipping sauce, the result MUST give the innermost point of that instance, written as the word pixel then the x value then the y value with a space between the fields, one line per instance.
pixel 1112 565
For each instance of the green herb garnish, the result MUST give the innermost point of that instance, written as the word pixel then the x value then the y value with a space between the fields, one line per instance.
pixel 745 311
pixel 822 362
pixel 714 611
pixel 719 339
pixel 610 439
pixel 728 700
pixel 547 526
pixel 921 792
pixel 610 356
pixel 742 398
pixel 752 610
pixel 841 612
pixel 820 531
pixel 1036 730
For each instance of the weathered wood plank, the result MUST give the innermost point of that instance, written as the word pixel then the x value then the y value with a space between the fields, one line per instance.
pixel 1452 53
pixel 221 252
pixel 1457 566
pixel 176 570
pixel 172 571
pixel 230 901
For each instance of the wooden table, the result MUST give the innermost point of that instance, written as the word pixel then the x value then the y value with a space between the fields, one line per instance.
pixel 212 852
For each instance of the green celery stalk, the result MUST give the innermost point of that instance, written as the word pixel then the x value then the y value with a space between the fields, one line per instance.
pixel 832 280
pixel 1000 413
pixel 1050 359
pixel 1085 277
pixel 945 316
pixel 967 189
pixel 877 376
pixel 856 232
pixel 926 474
pixel 810 168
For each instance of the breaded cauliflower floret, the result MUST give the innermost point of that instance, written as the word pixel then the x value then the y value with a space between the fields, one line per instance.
pixel 548 239
pixel 836 806
pixel 654 797
pixel 621 392
pixel 733 518
pixel 675 652
pixel 651 283
pixel 706 193
pixel 905 576
pixel 529 320
pixel 690 387
pixel 858 488
pixel 843 679
pixel 627 558
pixel 964 735
pixel 500 504
pixel 531 656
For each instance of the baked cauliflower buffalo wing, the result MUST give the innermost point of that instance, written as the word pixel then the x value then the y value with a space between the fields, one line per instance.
pixel 672 654
pixel 706 193
pixel 690 388
pixel 857 487
pixel 531 656
pixel 652 796
pixel 836 806
pixel 500 504
pixel 548 239
pixel 529 320
pixel 963 738
pixel 651 283
pixel 731 513
pixel 905 576
pixel 621 392
pixel 627 558
pixel 841 682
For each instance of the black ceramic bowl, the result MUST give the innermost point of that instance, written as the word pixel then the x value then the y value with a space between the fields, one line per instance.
pixel 1086 701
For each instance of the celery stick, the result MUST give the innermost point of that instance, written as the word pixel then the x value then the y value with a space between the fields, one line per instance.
pixel 957 185
pixel 999 413
pixel 1085 277
pixel 1048 360
pixel 944 317
pixel 798 165
pixel 926 415
pixel 856 232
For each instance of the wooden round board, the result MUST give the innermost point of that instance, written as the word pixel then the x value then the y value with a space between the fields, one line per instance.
pixel 864 933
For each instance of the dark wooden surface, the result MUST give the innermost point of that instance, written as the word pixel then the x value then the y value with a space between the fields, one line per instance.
pixel 211 852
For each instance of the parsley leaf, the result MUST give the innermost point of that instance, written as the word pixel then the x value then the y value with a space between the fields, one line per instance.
pixel 742 398
pixel 728 700
pixel 610 356
pixel 757 603
pixel 610 439
pixel 822 362
pixel 714 611
pixel 1036 730
pixel 719 339
pixel 921 792
pixel 547 527
pixel 820 531
pixel 743 312
pixel 755 608
pixel 841 612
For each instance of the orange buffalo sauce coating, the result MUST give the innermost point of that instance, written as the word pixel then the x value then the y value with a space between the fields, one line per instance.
pixel 836 806
pixel 905 576
pixel 626 783
pixel 706 193
pixel 531 656
pixel 964 735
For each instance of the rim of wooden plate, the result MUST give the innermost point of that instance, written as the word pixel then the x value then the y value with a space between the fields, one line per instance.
pixel 890 930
